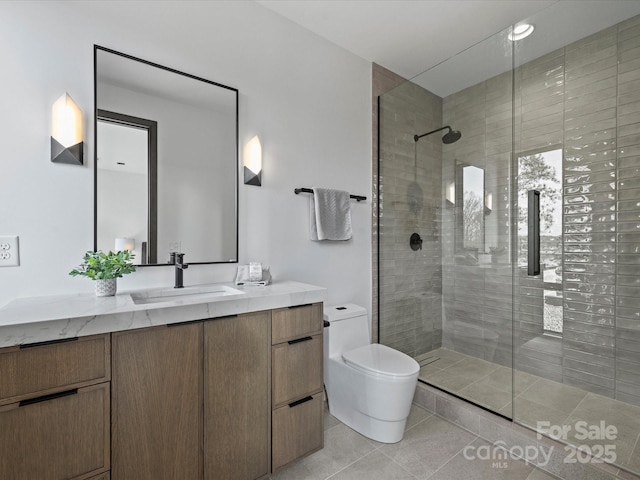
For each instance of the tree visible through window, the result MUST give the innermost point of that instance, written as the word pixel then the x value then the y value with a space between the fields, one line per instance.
pixel 542 171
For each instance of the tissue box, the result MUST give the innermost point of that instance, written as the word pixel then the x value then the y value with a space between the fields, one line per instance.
pixel 243 276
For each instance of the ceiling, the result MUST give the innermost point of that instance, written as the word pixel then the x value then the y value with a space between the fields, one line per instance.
pixel 411 36
pixel 405 36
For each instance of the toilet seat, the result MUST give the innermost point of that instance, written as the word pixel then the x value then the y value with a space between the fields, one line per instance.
pixel 377 359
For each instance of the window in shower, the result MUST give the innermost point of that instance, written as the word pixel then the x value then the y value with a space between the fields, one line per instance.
pixel 542 171
pixel 473 207
pixel 470 213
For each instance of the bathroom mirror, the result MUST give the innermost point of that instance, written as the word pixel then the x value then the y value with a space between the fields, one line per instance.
pixel 166 171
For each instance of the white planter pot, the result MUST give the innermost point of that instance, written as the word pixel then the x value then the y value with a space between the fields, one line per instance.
pixel 106 288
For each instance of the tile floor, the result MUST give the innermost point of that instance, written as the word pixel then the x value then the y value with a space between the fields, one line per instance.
pixel 536 399
pixel 432 448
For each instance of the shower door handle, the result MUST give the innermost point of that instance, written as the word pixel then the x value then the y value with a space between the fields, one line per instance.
pixel 533 240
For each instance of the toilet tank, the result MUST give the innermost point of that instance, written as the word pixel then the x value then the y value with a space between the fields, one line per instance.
pixel 348 329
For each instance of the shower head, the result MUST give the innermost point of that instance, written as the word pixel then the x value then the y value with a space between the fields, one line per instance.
pixel 451 136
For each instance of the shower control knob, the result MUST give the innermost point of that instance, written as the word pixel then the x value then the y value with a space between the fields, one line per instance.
pixel 415 242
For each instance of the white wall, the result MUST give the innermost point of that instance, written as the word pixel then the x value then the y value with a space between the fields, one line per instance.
pixel 307 99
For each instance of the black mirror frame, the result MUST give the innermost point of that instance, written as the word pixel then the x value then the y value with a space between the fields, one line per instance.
pixel 97 48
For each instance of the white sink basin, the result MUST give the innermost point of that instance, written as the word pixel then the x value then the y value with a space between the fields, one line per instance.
pixel 187 294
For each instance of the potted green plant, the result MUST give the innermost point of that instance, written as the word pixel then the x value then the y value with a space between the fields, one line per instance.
pixel 105 269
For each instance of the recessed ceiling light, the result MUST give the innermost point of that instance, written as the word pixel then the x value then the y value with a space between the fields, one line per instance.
pixel 520 31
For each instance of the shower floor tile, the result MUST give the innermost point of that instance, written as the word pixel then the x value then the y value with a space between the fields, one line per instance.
pixel 535 400
pixel 492 398
pixel 482 382
pixel 530 413
pixel 453 383
pixel 556 395
pixel 625 418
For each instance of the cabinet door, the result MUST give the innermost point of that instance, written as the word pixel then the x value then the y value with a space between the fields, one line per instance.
pixel 237 390
pixel 157 379
pixel 297 369
pixel 297 430
pixel 43 368
pixel 56 437
pixel 297 321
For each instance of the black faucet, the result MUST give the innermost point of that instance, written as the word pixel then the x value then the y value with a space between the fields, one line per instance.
pixel 177 259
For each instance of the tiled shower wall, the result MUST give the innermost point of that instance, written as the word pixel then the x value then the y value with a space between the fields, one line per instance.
pixel 585 98
pixel 627 287
pixel 410 180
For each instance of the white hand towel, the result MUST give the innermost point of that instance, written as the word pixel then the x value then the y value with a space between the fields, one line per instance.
pixel 330 214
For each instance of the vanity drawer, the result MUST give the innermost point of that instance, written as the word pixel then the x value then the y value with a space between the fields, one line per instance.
pixel 297 321
pixel 297 430
pixel 58 437
pixel 296 369
pixel 41 368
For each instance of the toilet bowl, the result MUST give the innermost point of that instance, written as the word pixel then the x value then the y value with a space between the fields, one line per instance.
pixel 370 387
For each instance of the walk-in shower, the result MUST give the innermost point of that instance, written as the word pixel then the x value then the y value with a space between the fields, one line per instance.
pixel 551 141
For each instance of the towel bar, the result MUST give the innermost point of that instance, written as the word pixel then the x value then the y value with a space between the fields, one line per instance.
pixel 359 198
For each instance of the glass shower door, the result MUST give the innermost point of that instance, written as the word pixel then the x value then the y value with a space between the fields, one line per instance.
pixel 577 324
pixel 448 301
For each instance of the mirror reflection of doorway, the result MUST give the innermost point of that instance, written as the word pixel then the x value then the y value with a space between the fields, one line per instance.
pixel 126 187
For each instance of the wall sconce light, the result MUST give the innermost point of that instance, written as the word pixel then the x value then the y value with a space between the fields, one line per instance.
pixel 125 244
pixel 66 132
pixel 488 203
pixel 450 193
pixel 252 160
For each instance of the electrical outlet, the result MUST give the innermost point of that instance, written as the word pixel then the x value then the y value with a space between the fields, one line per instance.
pixel 9 251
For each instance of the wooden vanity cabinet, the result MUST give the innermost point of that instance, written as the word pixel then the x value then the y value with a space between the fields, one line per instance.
pixel 230 398
pixel 54 409
pixel 237 410
pixel 191 401
pixel 157 403
pixel 297 397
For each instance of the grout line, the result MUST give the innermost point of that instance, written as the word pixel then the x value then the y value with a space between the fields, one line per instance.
pixel 454 363
pixel 530 386
pixel 457 425
pixel 454 456
pixel 633 450
pixel 577 406
pixel 399 465
pixel 347 466
pixel 355 461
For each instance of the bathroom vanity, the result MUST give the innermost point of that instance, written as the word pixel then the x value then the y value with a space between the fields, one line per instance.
pixel 195 386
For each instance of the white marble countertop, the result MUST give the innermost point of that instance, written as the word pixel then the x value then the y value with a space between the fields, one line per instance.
pixel 39 319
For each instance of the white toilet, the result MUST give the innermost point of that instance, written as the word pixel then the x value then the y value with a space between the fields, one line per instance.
pixel 370 387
